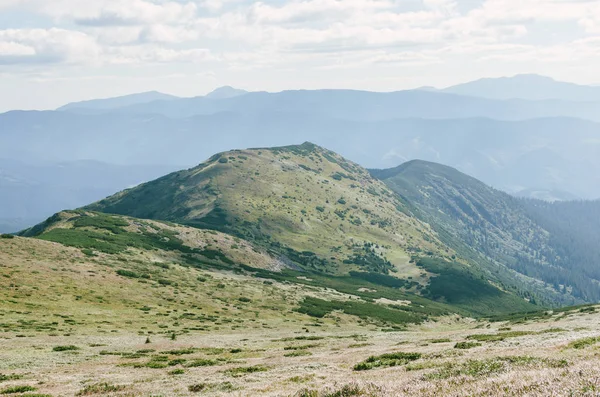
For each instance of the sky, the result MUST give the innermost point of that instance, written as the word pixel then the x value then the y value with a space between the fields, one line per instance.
pixel 56 51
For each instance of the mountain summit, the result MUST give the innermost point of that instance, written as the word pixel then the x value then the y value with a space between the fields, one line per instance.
pixel 225 93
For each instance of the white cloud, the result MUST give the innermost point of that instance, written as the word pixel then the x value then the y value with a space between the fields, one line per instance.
pixel 319 39
pixel 31 46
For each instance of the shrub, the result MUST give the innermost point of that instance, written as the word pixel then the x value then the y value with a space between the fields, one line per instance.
pixel 201 363
pixel 298 353
pixel 156 365
pixel 100 388
pixel 88 252
pixel 466 345
pixel 387 360
pixel 180 352
pixel 64 348
pixel 197 388
pixel 246 370
pixel 4 378
pixel 500 336
pixel 583 343
pixel 177 361
pixel 7 236
pixel 128 273
pixel 17 389
pixel 487 367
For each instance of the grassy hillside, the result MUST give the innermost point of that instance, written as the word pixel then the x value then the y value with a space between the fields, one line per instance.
pixel 311 206
pixel 158 245
pixel 140 322
pixel 492 228
pixel 314 211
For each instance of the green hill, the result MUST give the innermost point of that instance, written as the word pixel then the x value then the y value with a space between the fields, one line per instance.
pixel 314 208
pixel 316 211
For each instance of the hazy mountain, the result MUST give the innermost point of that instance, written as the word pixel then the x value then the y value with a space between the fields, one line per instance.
pixel 225 93
pixel 509 232
pixel 555 154
pixel 547 195
pixel 526 86
pixel 369 106
pixel 118 102
pixel 30 193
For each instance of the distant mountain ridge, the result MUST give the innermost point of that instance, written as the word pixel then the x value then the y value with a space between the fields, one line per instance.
pixel 554 154
pixel 368 106
pixel 526 86
pixel 118 102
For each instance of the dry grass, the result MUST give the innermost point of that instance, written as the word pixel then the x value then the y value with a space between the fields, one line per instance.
pixel 70 326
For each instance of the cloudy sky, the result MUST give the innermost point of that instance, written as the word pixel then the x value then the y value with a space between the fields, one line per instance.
pixel 56 51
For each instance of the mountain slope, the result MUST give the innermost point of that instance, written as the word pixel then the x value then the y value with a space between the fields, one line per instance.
pixel 302 197
pixel 316 211
pixel 149 247
pixel 498 228
pixel 526 86
pixel 118 102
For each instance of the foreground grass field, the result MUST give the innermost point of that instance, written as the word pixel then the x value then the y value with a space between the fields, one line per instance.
pixel 75 323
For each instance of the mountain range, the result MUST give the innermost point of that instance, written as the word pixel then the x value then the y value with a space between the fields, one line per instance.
pixel 545 147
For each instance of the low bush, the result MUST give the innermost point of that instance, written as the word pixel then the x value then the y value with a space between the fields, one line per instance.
pixel 17 389
pixel 466 345
pixel 100 388
pixel 64 348
pixel 387 360
pixel 238 371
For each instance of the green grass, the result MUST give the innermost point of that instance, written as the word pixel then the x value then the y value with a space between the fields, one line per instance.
pixel 387 360
pixel 298 353
pixel 100 389
pixel 500 336
pixel 466 345
pixel 320 308
pixel 4 377
pixel 239 371
pixel 17 389
pixel 65 348
pixel 583 343
pixel 201 363
pixel 492 366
